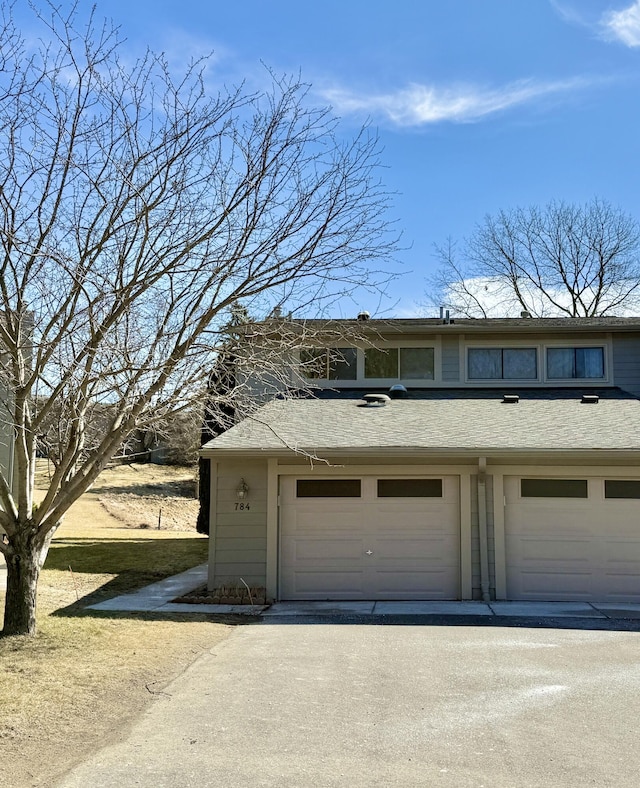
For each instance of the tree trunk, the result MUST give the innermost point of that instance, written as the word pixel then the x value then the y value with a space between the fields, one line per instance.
pixel 23 570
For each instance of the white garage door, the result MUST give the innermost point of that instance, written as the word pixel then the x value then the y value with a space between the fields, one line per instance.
pixel 573 539
pixel 370 538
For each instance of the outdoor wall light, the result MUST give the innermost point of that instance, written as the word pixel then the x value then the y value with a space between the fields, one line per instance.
pixel 242 491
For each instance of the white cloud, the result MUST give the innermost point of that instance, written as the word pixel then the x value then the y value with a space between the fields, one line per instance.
pixel 624 25
pixel 568 13
pixel 494 297
pixel 419 105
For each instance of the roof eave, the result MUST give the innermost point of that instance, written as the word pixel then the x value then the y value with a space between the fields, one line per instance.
pixel 490 452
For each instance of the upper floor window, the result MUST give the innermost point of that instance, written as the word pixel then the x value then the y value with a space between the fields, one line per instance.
pixel 565 363
pixel 329 363
pixel 400 363
pixel 507 363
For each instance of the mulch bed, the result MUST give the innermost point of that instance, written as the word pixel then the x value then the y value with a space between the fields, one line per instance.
pixel 228 595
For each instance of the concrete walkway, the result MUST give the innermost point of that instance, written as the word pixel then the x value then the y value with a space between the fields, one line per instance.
pixel 158 598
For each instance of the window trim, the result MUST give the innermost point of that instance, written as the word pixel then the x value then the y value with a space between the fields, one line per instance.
pixel 332 480
pixel 494 344
pixel 399 378
pixel 466 342
pixel 325 350
pixel 574 344
pixel 604 341
pixel 418 480
pixel 615 481
pixel 577 479
pixel 502 379
pixel 360 381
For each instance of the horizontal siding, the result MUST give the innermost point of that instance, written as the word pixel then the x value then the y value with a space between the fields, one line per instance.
pixel 239 556
pixel 266 375
pixel 450 358
pixel 242 519
pixel 243 531
pixel 236 573
pixel 238 549
pixel 539 336
pixel 237 544
pixel 626 363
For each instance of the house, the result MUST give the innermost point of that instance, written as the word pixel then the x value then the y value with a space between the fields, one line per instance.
pixel 440 459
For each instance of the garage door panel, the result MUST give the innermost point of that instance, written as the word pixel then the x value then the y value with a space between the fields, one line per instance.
pixel 429 549
pixel 422 530
pixel 571 549
pixel 324 585
pixel 327 520
pixel 549 523
pixel 622 585
pixel 418 507
pixel 623 552
pixel 566 585
pixel 395 585
pixel 625 514
pixel 526 550
pixel 327 550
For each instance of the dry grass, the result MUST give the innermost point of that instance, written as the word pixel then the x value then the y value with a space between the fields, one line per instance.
pixel 138 496
pixel 84 677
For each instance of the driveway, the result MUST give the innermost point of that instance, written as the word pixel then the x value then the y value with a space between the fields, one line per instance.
pixel 364 705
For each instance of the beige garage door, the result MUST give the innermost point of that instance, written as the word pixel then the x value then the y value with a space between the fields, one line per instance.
pixel 370 538
pixel 573 539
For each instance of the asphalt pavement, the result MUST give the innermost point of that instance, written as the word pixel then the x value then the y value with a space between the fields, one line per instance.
pixel 334 705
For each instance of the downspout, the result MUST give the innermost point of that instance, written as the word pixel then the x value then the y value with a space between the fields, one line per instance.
pixel 482 529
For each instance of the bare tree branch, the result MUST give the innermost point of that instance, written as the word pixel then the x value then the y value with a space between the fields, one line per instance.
pixel 562 260
pixel 136 212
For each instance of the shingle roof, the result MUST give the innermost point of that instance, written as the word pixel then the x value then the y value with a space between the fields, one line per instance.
pixel 488 322
pixel 463 324
pixel 453 420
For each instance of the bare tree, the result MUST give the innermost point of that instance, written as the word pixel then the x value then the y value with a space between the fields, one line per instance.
pixel 562 260
pixel 135 212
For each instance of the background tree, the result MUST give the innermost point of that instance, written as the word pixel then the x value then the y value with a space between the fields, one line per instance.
pixel 135 211
pixel 560 260
pixel 219 414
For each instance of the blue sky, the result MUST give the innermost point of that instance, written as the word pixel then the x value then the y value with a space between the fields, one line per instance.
pixel 480 105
